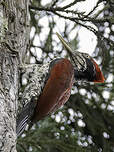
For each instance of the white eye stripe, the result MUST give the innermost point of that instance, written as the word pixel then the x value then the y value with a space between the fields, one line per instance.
pixel 80 61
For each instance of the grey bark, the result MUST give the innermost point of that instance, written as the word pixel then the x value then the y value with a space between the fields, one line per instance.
pixel 14 37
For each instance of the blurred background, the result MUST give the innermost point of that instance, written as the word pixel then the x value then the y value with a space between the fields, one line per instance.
pixel 86 122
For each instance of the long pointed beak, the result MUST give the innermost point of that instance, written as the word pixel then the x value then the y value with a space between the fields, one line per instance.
pixel 65 44
pixel 74 56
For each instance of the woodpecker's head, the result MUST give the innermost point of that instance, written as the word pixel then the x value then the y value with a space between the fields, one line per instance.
pixel 85 68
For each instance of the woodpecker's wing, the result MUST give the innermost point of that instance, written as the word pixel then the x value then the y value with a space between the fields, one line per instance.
pixel 57 88
pixel 37 76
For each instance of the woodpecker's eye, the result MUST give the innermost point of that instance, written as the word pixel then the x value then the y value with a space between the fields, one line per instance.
pixel 86 55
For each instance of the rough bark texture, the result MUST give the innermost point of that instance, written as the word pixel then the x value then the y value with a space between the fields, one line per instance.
pixel 13 45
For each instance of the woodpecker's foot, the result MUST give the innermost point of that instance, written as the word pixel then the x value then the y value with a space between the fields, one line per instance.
pixel 24 67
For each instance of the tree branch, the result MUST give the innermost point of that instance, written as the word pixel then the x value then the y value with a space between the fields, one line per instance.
pixel 81 19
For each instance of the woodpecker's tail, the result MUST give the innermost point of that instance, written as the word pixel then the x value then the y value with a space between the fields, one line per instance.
pixel 24 117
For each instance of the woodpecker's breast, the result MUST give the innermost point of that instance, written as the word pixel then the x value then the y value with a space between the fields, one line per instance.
pixel 57 89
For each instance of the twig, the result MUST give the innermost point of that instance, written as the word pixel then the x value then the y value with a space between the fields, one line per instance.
pixel 77 20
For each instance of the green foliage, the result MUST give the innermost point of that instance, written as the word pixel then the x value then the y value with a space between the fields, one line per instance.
pixel 86 122
pixel 48 136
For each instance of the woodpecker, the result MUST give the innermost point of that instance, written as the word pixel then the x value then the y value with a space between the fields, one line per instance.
pixel 49 85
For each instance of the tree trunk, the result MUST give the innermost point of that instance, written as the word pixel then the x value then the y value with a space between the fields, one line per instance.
pixel 14 37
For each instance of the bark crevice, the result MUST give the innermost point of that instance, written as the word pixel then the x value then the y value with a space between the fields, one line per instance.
pixel 13 45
